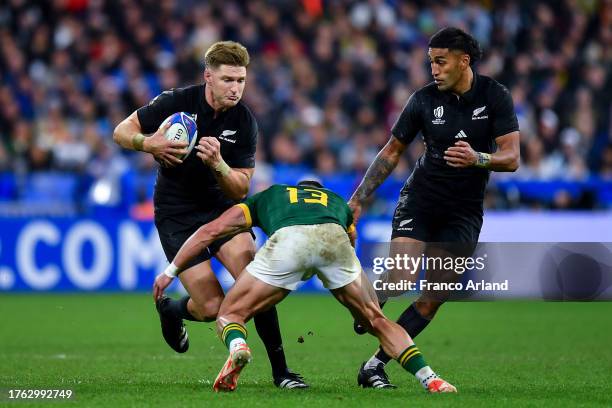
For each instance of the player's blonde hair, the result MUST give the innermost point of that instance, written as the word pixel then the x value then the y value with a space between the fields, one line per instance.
pixel 226 53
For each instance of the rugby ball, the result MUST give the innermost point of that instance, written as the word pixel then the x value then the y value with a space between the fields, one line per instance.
pixel 182 128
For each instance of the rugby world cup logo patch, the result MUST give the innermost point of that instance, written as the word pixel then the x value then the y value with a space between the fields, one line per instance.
pixel 438 113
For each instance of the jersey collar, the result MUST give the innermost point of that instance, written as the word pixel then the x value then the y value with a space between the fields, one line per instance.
pixel 470 95
pixel 206 108
pixel 467 97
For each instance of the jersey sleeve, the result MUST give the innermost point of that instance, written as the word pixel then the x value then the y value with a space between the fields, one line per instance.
pixel 409 123
pixel 350 224
pixel 504 116
pixel 160 107
pixel 244 156
pixel 249 207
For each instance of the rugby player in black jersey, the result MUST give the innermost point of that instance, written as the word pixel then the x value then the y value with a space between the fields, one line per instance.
pixel 469 128
pixel 192 192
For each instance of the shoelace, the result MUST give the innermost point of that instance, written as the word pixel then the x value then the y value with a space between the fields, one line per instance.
pixel 295 376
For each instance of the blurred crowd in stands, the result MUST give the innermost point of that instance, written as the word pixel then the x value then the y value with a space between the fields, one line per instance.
pixel 327 80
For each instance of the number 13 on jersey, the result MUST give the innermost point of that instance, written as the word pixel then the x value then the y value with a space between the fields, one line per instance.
pixel 315 196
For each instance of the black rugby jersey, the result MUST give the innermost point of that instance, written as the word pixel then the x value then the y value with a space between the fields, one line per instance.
pixel 479 116
pixel 191 186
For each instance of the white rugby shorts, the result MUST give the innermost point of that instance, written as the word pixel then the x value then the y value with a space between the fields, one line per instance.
pixel 295 253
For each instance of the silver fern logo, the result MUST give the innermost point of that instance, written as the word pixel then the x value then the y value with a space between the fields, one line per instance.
pixel 225 135
pixel 404 222
pixel 228 132
pixel 478 111
pixel 403 225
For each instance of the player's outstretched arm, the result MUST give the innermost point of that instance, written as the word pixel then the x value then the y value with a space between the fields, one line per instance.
pixel 128 134
pixel 379 170
pixel 230 222
pixel 233 181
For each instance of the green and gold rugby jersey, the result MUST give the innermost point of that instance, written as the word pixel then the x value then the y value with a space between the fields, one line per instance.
pixel 282 205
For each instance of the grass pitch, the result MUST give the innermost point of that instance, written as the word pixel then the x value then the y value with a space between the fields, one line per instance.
pixel 108 348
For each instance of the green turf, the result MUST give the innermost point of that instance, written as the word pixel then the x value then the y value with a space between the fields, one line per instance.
pixel 109 350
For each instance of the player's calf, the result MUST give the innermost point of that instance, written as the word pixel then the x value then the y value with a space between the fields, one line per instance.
pixel 206 311
pixel 410 320
pixel 427 308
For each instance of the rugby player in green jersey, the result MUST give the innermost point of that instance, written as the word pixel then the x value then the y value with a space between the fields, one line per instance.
pixel 310 232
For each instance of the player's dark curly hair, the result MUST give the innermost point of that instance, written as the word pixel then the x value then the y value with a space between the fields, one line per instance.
pixel 454 38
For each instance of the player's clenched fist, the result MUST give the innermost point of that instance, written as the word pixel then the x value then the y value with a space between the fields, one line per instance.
pixel 209 151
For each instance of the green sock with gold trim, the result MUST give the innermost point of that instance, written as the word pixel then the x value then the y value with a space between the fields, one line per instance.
pixel 231 332
pixel 411 359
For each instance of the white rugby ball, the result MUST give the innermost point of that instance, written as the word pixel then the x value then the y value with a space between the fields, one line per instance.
pixel 183 128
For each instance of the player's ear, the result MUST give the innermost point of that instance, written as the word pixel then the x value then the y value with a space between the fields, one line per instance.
pixel 465 61
pixel 207 76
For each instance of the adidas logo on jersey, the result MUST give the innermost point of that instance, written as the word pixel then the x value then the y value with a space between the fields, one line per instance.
pixel 460 135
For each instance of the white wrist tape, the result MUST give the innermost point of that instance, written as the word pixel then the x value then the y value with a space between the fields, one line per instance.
pixel 171 271
pixel 482 160
pixel 222 168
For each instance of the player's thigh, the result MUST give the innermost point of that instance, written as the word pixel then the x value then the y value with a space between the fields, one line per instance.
pixel 237 253
pixel 409 251
pixel 248 297
pixel 455 241
pixel 409 246
pixel 357 299
pixel 441 272
pixel 202 284
pixel 407 254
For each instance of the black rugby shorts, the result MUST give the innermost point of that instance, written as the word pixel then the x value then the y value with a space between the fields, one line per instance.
pixel 176 229
pixel 436 222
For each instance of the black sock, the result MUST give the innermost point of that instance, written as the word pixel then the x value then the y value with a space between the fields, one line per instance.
pixel 178 308
pixel 412 321
pixel 268 330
